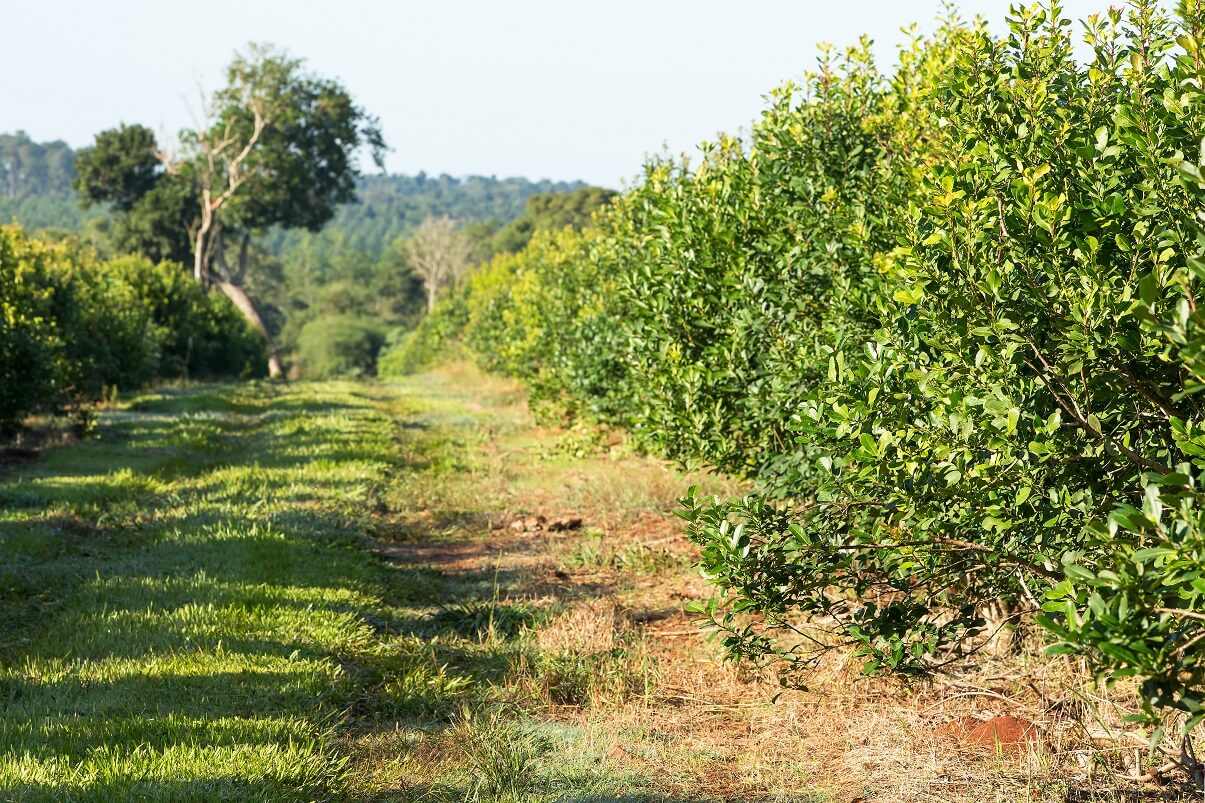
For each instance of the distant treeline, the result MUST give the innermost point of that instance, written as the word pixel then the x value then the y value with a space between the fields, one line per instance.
pixel 35 189
pixel 392 206
pixel 35 184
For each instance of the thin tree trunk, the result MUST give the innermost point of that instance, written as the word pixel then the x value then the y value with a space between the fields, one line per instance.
pixel 200 247
pixel 198 259
pixel 243 301
pixel 243 246
pixel 233 288
pixel 431 289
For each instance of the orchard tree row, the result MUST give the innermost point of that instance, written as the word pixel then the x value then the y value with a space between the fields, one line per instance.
pixel 74 327
pixel 945 317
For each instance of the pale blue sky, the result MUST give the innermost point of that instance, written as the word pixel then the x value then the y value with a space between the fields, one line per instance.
pixel 558 89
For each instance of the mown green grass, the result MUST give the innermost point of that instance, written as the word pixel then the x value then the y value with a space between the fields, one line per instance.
pixel 211 600
pixel 186 608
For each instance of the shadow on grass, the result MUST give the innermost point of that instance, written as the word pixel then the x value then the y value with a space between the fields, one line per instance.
pixel 194 579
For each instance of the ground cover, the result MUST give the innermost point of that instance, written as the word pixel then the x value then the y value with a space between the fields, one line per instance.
pixel 412 591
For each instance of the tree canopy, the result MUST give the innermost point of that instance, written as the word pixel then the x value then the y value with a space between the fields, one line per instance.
pixel 304 164
pixel 277 147
pixel 152 208
pixel 551 212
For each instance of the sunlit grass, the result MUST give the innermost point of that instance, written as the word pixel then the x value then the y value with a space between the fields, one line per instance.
pixel 185 602
pixel 191 608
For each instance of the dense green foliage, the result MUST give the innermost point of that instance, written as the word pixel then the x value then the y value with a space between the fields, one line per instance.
pixel 305 165
pixel 73 327
pixel 153 210
pixel 550 212
pixel 947 321
pixel 341 345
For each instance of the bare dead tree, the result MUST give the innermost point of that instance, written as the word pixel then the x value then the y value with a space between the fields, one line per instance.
pixel 439 255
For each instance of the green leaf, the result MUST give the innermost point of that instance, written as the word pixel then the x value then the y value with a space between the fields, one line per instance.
pixel 1148 289
pixel 1077 572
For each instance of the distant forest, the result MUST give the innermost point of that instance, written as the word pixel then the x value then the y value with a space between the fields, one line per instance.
pixel 35 189
pixel 35 184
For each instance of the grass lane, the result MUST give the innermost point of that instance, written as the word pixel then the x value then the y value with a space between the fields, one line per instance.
pixel 186 608
pixel 315 592
pixel 333 592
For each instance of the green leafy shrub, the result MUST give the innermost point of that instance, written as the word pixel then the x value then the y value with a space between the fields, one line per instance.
pixel 77 329
pixel 73 327
pixel 29 345
pixel 340 345
pixel 947 319
pixel 1020 434
pixel 430 343
pixel 545 316
pixel 201 333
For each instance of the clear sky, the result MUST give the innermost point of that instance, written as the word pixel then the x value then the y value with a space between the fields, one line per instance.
pixel 560 89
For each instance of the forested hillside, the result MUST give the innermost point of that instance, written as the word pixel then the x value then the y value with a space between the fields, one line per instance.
pixel 389 207
pixel 36 191
pixel 35 184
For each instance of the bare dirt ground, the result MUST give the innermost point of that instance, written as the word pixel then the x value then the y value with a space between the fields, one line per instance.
pixel 571 536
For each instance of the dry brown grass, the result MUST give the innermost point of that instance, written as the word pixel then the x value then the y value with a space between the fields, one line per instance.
pixel 586 627
pixel 666 706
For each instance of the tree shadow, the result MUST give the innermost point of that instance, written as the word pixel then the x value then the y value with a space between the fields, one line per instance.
pixel 132 563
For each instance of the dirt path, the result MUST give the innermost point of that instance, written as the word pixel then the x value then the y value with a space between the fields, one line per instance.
pixel 555 581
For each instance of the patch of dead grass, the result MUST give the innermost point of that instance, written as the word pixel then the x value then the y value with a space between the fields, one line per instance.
pixel 586 627
pixel 666 707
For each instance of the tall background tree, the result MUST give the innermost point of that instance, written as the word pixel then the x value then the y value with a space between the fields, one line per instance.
pixel 277 147
pixel 153 209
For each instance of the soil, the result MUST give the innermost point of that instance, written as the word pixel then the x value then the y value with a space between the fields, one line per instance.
pixel 1007 733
